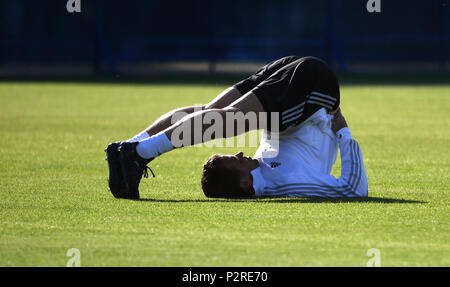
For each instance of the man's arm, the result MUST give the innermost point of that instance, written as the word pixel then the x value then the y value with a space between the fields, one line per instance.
pixel 190 129
pixel 351 183
pixel 353 173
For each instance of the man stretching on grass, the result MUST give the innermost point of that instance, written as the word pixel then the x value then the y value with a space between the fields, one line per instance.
pixel 297 150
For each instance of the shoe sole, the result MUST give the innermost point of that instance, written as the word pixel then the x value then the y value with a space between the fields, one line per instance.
pixel 115 180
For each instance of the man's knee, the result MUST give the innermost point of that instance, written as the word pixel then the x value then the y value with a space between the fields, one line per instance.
pixel 224 99
pixel 247 103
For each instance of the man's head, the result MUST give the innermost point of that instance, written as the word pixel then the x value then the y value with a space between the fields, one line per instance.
pixel 228 176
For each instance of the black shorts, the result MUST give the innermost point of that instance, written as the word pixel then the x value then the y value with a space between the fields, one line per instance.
pixel 294 87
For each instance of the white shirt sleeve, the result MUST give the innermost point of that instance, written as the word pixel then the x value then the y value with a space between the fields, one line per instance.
pixel 351 183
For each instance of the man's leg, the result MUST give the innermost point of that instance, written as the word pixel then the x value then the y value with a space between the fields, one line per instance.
pixel 245 104
pixel 116 182
pixel 134 156
pixel 295 82
pixel 165 141
pixel 221 101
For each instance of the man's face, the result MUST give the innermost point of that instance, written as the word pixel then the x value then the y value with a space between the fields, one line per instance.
pixel 243 164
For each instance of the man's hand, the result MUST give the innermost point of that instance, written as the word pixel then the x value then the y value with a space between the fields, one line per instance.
pixel 338 122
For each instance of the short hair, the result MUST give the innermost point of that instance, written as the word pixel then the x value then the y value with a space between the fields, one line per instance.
pixel 220 182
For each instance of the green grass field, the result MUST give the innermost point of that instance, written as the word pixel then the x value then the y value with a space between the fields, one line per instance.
pixel 53 184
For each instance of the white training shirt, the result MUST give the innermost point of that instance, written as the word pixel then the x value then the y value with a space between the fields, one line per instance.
pixel 304 159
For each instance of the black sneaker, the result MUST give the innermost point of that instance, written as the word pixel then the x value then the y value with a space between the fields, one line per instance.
pixel 133 168
pixel 115 181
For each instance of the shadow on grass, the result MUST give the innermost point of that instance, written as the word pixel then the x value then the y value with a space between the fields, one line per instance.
pixel 292 200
